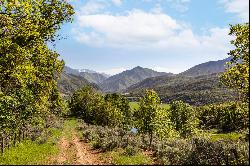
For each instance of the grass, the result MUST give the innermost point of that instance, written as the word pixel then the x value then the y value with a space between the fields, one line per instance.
pixel 230 136
pixel 31 152
pixel 135 105
pixel 69 126
pixel 215 136
pixel 118 158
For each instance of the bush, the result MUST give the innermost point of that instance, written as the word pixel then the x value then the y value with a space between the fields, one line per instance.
pixel 107 139
pixel 225 117
pixel 200 151
pixel 130 151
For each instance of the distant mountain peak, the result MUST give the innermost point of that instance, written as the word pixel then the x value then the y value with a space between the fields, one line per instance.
pixel 127 78
pixel 138 67
pixel 87 71
pixel 207 68
pixel 90 75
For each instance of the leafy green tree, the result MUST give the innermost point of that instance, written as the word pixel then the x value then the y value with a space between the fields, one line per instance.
pixel 183 117
pixel 147 112
pixel 122 103
pixel 28 68
pixel 236 75
pixel 163 126
pixel 92 108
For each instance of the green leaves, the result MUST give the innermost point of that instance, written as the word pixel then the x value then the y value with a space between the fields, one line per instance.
pixel 236 75
pixel 93 108
pixel 27 66
pixel 183 118
pixel 147 111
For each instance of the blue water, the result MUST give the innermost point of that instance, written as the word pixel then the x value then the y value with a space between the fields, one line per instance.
pixel 134 130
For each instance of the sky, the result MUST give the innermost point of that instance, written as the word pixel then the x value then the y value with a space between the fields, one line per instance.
pixel 111 36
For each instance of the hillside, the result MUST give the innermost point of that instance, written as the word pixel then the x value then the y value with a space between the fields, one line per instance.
pixel 69 83
pixel 198 90
pixel 90 75
pixel 127 78
pixel 207 68
pixel 96 78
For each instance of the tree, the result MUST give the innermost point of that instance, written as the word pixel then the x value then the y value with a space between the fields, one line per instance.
pixel 28 68
pixel 183 117
pixel 122 104
pixel 236 75
pixel 92 108
pixel 147 112
pixel 163 126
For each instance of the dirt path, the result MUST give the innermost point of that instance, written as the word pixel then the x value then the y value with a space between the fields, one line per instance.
pixel 74 151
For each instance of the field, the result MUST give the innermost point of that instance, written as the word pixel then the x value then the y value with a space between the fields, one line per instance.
pixel 135 105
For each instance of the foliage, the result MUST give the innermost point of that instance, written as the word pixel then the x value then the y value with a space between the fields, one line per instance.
pixel 147 112
pixel 28 68
pixel 34 151
pixel 237 74
pixel 177 151
pixel 183 117
pixel 226 117
pixel 107 139
pixel 163 126
pixel 92 108
pixel 200 151
pixel 122 104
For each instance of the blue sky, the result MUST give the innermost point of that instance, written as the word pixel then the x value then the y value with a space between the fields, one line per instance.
pixel 166 35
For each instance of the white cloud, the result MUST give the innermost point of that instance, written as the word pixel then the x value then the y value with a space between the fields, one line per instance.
pixel 150 31
pixel 239 7
pixel 117 2
pixel 92 7
pixel 135 28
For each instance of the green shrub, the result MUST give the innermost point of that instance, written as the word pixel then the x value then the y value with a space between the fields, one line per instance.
pixel 225 117
pixel 130 151
pixel 200 151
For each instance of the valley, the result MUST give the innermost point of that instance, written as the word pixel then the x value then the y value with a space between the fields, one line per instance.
pixel 144 90
pixel 198 85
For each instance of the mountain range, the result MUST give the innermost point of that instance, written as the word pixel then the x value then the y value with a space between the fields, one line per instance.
pixel 199 84
pixel 89 75
pixel 69 83
pixel 207 68
pixel 123 80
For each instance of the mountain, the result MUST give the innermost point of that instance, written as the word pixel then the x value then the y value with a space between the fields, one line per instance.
pixel 69 83
pixel 197 90
pixel 90 75
pixel 69 70
pixel 207 68
pixel 96 78
pixel 127 78
pixel 198 85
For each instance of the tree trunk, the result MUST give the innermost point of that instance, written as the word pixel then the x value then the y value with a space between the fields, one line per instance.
pixel 151 138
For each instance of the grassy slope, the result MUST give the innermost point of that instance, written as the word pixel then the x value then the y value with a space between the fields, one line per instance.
pixel 31 152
